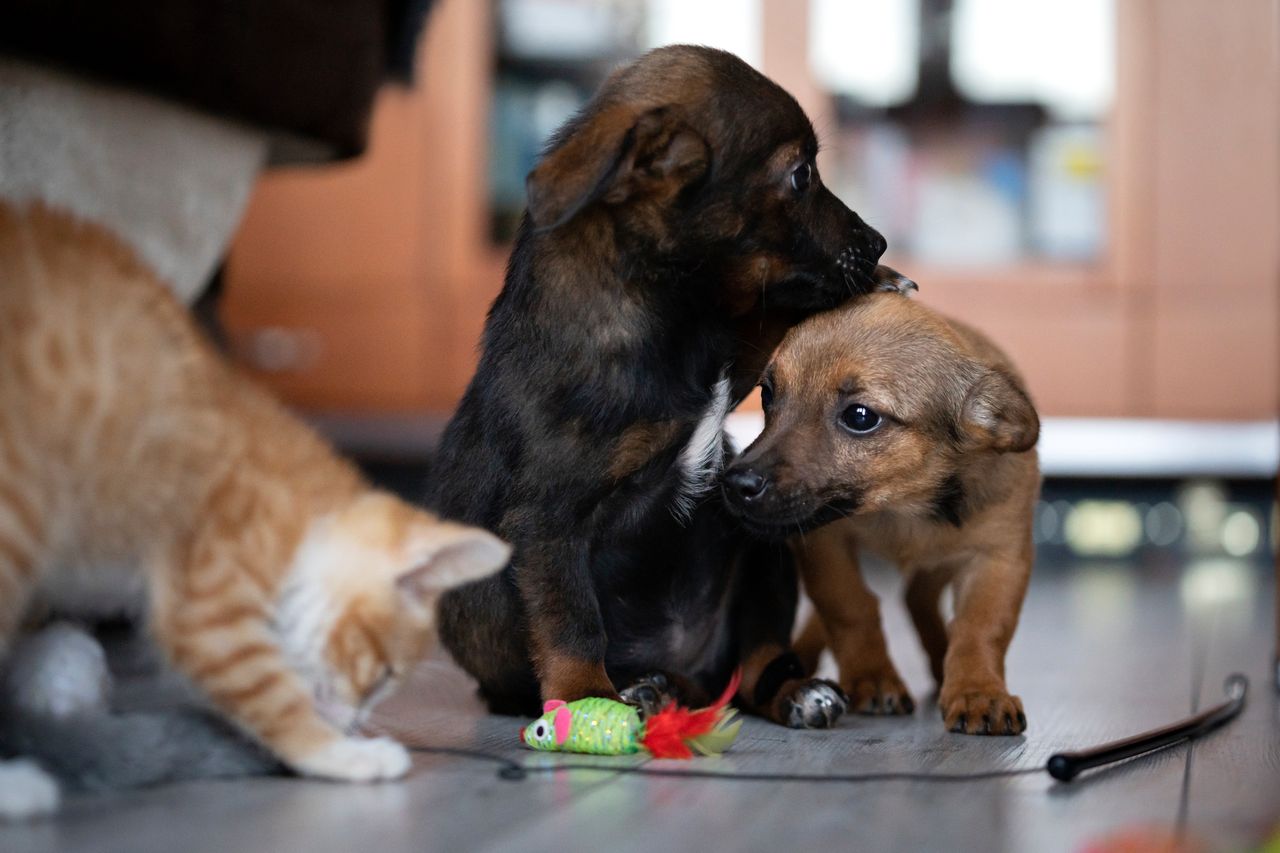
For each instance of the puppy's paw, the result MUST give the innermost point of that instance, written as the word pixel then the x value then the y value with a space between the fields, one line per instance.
pixel 650 694
pixel 356 760
pixel 814 703
pixel 982 712
pixel 879 693
pixel 889 280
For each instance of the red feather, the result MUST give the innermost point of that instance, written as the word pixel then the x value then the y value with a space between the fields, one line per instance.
pixel 666 733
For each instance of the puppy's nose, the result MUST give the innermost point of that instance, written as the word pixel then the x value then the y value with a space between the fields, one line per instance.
pixel 746 484
pixel 878 244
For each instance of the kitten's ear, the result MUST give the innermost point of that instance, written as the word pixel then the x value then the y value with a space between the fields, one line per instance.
pixel 446 555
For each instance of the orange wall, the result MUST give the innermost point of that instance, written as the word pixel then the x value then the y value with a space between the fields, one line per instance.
pixel 381 271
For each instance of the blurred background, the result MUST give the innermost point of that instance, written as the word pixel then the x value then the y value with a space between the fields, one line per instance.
pixel 1095 183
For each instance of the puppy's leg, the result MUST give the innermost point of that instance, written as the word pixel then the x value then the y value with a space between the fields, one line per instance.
pixel 566 630
pixel 811 642
pixel 774 684
pixel 924 589
pixel 851 615
pixel 974 698
pixel 482 625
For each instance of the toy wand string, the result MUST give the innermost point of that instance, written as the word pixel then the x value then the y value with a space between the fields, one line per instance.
pixel 1065 766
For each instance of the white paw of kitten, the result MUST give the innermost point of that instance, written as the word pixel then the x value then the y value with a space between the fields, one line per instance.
pixel 26 791
pixel 59 671
pixel 357 760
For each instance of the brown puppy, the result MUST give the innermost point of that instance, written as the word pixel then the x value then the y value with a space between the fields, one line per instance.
pixel 916 432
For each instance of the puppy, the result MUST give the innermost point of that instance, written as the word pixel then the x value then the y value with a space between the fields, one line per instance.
pixel 911 436
pixel 676 228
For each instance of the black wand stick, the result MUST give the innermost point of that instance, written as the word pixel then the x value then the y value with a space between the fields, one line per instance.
pixel 1065 766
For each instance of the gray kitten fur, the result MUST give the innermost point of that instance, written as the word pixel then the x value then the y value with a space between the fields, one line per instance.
pixel 158 729
pixel 134 749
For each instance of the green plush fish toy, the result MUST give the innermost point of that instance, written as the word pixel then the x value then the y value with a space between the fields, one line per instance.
pixel 604 727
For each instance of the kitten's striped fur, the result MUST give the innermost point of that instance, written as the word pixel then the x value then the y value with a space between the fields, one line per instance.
pixel 272 575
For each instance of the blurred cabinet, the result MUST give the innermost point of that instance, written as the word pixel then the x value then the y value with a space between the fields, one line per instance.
pixel 363 288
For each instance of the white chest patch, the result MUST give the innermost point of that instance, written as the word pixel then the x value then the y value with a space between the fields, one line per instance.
pixel 306 607
pixel 701 457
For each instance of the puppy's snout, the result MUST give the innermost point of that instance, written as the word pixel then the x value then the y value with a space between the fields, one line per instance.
pixel 876 244
pixel 861 256
pixel 745 485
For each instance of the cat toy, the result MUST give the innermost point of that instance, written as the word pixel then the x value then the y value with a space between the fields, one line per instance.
pixel 605 727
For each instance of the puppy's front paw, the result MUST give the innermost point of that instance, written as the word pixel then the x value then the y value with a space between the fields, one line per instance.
pixel 811 704
pixel 889 280
pixel 356 760
pixel 650 694
pixel 879 693
pixel 982 712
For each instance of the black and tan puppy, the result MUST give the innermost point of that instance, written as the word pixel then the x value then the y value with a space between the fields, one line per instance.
pixel 676 228
pixel 918 435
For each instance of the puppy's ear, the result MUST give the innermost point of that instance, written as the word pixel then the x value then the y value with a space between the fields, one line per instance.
pixel 997 414
pixel 614 155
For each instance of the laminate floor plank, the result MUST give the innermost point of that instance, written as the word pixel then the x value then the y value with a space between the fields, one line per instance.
pixel 1104 650
pixel 1233 791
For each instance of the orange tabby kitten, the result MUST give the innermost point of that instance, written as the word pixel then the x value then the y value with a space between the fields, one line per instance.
pixel 136 468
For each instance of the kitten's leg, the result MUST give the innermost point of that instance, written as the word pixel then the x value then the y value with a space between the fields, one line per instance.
pixel 220 638
pixel 58 671
pixel 21 532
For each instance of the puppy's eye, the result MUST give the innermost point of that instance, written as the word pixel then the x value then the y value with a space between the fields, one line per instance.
pixel 766 397
pixel 801 177
pixel 860 420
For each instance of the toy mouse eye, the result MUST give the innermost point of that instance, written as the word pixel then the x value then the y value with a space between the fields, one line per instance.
pixel 801 177
pixel 539 729
pixel 859 420
pixel 766 396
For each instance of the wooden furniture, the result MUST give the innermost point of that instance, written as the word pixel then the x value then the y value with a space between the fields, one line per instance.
pixel 364 287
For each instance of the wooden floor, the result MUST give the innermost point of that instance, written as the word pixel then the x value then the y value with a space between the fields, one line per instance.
pixel 1104 650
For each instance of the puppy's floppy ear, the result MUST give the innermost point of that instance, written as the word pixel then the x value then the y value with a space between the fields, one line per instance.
pixel 997 414
pixel 612 156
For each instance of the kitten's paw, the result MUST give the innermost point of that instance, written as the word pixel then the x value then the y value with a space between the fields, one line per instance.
pixel 59 671
pixel 356 760
pixel 26 791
